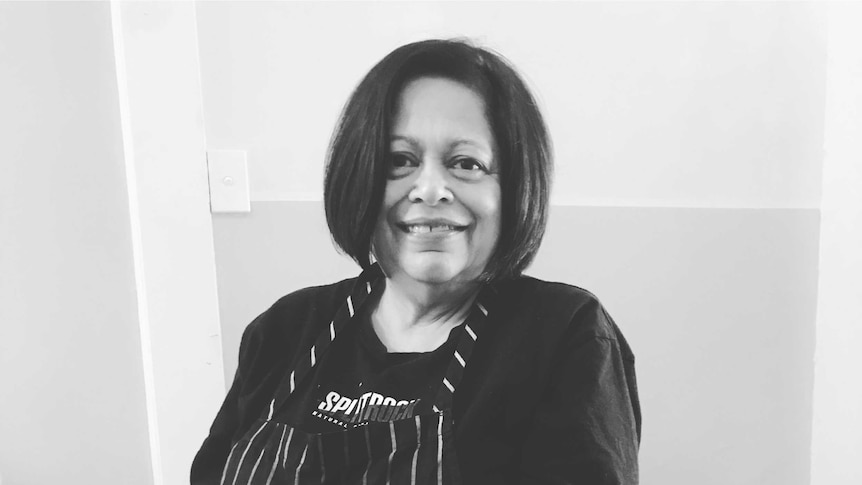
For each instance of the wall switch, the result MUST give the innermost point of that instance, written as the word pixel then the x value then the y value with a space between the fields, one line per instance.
pixel 228 173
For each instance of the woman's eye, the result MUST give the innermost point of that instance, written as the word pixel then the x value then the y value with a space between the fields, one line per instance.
pixel 399 160
pixel 400 164
pixel 469 164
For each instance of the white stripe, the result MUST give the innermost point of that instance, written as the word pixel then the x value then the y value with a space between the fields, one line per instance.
pixel 470 331
pixel 446 381
pixel 286 448
pixel 332 330
pixel 322 465
pixel 226 463
pixel 350 305
pixel 247 445
pixel 368 466
pixel 271 405
pixel 254 468
pixel 292 384
pixel 299 467
pixel 436 409
pixel 313 356
pixel 460 360
pixel 391 455
pixel 368 286
pixel 482 308
pixel 416 451
pixel 278 451
pixel 440 450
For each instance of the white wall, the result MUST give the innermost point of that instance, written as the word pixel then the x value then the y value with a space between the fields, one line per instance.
pixel 160 106
pixel 692 104
pixel 703 120
pixel 111 353
pixel 72 405
pixel 837 427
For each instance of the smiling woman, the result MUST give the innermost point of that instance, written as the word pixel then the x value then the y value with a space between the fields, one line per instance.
pixel 440 362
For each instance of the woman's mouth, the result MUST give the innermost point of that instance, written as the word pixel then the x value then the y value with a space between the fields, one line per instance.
pixel 430 228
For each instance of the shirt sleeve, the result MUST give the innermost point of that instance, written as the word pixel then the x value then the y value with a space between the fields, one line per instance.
pixel 209 462
pixel 586 429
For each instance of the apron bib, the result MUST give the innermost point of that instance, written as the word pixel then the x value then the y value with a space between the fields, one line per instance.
pixel 417 450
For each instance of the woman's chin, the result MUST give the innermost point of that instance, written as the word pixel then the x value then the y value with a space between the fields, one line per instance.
pixel 431 271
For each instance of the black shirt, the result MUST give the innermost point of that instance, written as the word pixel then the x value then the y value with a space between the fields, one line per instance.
pixel 549 394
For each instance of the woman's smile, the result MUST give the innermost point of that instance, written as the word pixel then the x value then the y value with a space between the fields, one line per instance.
pixel 429 232
pixel 437 236
pixel 430 225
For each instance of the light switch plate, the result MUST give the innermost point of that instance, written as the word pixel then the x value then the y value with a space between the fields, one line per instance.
pixel 228 173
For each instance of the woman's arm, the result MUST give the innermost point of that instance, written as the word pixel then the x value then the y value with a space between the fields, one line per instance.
pixel 210 460
pixel 587 429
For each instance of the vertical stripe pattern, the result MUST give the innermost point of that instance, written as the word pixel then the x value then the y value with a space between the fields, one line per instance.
pixel 275 462
pixel 416 451
pixel 440 450
pixel 245 451
pixel 368 449
pixel 394 446
pixel 301 462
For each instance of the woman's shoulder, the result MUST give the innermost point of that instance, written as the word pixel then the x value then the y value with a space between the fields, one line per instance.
pixel 556 290
pixel 559 306
pixel 314 298
pixel 301 307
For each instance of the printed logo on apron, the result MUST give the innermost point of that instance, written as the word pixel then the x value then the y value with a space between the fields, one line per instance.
pixel 349 412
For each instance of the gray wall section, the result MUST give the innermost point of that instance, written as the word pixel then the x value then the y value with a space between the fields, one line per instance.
pixel 718 304
pixel 278 248
pixel 72 405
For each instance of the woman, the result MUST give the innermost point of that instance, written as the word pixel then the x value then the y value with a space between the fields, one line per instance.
pixel 440 363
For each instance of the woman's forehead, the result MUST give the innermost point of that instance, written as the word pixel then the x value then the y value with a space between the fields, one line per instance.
pixel 441 110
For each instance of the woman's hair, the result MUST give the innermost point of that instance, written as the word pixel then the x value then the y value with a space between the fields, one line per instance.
pixel 356 171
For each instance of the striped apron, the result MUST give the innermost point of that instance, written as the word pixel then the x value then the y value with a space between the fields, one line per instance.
pixel 417 450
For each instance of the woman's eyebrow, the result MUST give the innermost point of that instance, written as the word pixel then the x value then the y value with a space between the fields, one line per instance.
pixel 410 141
pixel 470 142
pixel 452 144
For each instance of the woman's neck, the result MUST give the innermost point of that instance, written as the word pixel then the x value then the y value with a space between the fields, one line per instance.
pixel 418 318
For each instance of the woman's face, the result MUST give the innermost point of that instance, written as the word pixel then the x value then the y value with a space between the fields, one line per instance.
pixel 440 219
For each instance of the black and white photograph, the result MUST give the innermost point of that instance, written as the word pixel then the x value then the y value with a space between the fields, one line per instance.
pixel 430 242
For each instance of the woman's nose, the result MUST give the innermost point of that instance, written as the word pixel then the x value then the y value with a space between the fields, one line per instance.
pixel 431 184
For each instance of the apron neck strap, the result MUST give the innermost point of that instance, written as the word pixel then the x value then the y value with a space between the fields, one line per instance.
pixel 471 330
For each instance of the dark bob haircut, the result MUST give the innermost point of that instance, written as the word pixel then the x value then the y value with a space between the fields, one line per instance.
pixel 356 170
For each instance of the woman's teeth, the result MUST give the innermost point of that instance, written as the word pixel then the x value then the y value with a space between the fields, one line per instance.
pixel 420 228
